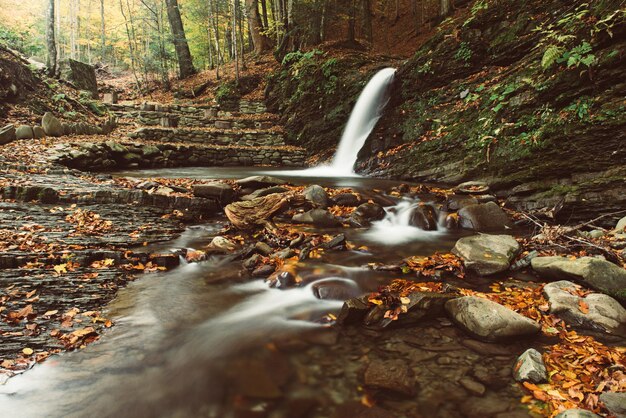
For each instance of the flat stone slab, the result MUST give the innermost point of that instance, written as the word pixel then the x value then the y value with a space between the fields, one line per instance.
pixel 489 320
pixel 487 254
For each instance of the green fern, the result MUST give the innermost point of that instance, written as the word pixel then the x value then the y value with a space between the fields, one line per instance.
pixel 550 56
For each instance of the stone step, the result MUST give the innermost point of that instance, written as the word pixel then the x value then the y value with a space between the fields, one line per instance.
pixel 121 155
pixel 243 106
pixel 174 119
pixel 249 138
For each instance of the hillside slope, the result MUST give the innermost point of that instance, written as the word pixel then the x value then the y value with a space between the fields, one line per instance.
pixel 529 96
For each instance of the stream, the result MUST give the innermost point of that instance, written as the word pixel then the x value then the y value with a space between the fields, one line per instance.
pixel 201 340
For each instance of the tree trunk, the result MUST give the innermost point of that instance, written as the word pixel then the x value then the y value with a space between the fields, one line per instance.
pixel 50 40
pixel 266 24
pixel 102 32
pixel 234 40
pixel 261 43
pixel 445 6
pixel 351 38
pixel 185 63
pixel 367 20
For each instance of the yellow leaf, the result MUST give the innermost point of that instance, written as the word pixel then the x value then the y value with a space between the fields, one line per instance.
pixel 50 313
pixel 28 351
pixel 60 269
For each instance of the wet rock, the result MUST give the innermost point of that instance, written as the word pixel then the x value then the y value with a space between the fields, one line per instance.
pixel 259 182
pixel 353 310
pixel 391 375
pixel 263 248
pixel 335 289
pixel 346 199
pixel 615 403
pixel 424 217
pixel 452 221
pixel 264 192
pixel 214 190
pixel 487 254
pixel 621 225
pixel 222 244
pixel 424 305
pixel 318 217
pixel 51 125
pixel 24 132
pixel 472 386
pixel 263 271
pixel 487 406
pixel 490 349
pixel 365 214
pixel 577 413
pixel 284 254
pixel 7 134
pixel 472 187
pixel 489 320
pixel 251 262
pixel 316 195
pixel 358 410
pixel 483 217
pixel 336 241
pixel 589 271
pixel 601 312
pixel 456 202
pixel 283 280
pixel 530 367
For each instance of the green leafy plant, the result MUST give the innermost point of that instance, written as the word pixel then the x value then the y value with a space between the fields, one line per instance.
pixel 581 108
pixel 464 53
pixel 580 54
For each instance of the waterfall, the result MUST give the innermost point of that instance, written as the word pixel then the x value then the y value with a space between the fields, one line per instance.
pixel 364 116
pixel 366 112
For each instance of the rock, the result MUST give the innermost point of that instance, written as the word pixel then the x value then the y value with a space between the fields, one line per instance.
pixel 7 134
pixel 316 195
pixel 489 320
pixel 263 248
pixel 346 199
pixel 223 192
pixel 621 225
pixel 251 262
pixel 38 132
pixel 264 192
pixel 577 413
pixel 456 202
pixel 24 132
pixel 317 217
pixel 615 402
pixel 530 367
pixel 82 75
pixel 424 217
pixel 258 182
pixel 589 271
pixel 335 289
pixel 472 187
pixel 110 98
pixel 263 271
pixel 353 310
pixel 222 244
pixel 336 241
pixel 391 375
pixel 487 254
pixel 365 214
pixel 51 125
pixel 472 386
pixel 602 312
pixel 284 254
pixel 116 147
pixel 483 217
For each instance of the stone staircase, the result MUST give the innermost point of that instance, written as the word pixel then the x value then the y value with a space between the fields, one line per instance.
pixel 179 135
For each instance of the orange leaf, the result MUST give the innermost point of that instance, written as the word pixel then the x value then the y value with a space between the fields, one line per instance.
pixel 582 305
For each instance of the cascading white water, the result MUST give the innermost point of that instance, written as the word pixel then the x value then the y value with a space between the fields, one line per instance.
pixel 365 114
pixel 395 228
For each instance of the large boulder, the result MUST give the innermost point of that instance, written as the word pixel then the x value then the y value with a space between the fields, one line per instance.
pixel 589 271
pixel 365 214
pixel 51 125
pixel 24 132
pixel 317 217
pixel 316 195
pixel 264 192
pixel 487 254
pixel 483 217
pixel 38 132
pixel 215 190
pixel 595 311
pixel 488 320
pixel 577 413
pixel 82 75
pixel 259 182
pixel 7 134
pixel 424 217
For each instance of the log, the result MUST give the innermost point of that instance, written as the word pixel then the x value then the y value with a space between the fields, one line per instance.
pixel 257 212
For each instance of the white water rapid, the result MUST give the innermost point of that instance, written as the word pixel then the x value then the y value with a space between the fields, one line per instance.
pixel 366 113
pixel 395 228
